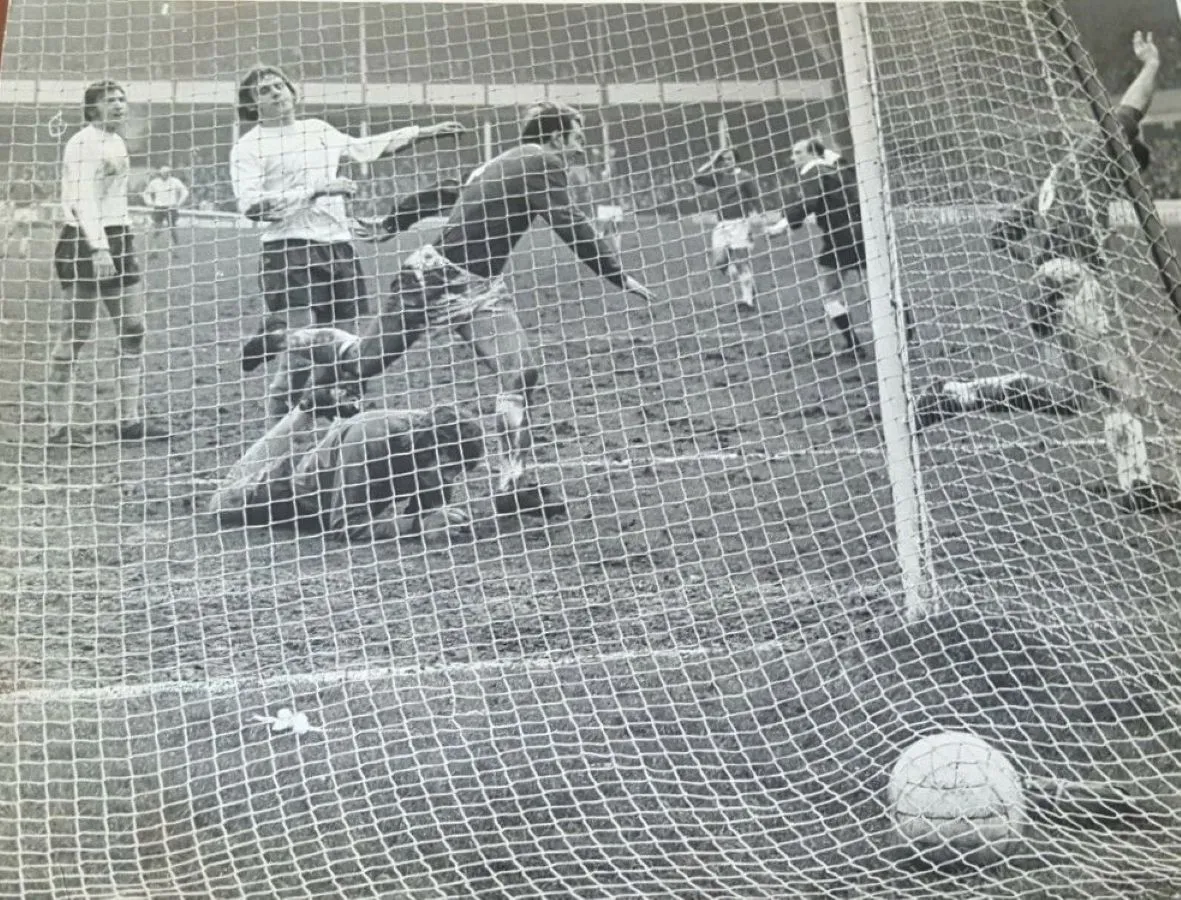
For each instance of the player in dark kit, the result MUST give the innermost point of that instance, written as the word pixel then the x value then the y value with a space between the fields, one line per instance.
pixel 1061 230
pixel 827 192
pixel 738 205
pixel 457 283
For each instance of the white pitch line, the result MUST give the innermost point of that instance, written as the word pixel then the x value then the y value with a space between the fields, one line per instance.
pixel 310 681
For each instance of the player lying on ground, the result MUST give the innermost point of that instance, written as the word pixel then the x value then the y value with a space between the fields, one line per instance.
pixel 738 205
pixel 457 283
pixel 340 476
pixel 1062 231
pixel 828 191
pixel 164 195
pixel 95 261
pixel 286 173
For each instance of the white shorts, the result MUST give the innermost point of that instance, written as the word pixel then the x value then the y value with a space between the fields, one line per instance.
pixel 612 215
pixel 731 234
pixel 24 215
pixel 451 295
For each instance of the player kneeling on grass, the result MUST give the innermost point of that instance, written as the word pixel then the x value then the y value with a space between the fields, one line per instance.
pixel 340 476
pixel 457 283
pixel 738 204
pixel 1075 301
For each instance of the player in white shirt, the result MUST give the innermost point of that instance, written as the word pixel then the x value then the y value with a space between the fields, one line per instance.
pixel 95 260
pixel 165 195
pixel 285 173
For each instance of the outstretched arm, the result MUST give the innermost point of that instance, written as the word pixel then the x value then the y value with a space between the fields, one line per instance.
pixel 378 146
pixel 549 197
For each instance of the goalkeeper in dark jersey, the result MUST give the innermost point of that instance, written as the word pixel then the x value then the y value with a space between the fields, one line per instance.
pixel 1061 230
pixel 457 283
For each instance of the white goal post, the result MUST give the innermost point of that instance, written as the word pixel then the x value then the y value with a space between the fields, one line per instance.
pixel 890 459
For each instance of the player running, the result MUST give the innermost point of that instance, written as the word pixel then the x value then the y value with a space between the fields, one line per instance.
pixel 164 195
pixel 22 211
pixel 457 283
pixel 95 261
pixel 1062 231
pixel 340 476
pixel 286 173
pixel 738 205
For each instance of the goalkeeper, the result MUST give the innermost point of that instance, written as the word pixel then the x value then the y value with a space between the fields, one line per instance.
pixel 1062 230
pixel 458 283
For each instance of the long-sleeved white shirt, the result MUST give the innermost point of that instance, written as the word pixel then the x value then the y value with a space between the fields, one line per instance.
pixel 285 164
pixel 95 169
pixel 166 193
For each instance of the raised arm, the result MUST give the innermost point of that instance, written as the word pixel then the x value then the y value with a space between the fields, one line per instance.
pixel 1140 92
pixel 706 176
pixel 80 180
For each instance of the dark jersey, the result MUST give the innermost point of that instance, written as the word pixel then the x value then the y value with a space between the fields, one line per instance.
pixel 1070 214
pixel 830 194
pixel 738 193
pixel 499 203
pixel 22 193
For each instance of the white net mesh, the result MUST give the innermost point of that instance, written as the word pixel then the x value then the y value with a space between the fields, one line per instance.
pixel 696 682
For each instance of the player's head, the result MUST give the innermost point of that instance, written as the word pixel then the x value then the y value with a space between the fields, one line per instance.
pixel 555 124
pixel 104 103
pixel 728 158
pixel 165 172
pixel 265 94
pixel 806 151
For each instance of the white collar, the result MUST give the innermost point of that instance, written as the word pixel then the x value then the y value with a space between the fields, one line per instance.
pixel 828 159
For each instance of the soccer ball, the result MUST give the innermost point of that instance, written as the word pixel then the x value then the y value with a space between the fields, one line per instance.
pixel 956 798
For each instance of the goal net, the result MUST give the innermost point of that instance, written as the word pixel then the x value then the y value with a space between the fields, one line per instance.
pixel 781 562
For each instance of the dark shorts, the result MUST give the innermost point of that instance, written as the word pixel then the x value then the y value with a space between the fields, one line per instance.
pixel 165 217
pixel 326 278
pixel 842 251
pixel 74 262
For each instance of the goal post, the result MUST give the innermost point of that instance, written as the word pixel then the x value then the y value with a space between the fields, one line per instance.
pixel 888 312
pixel 784 570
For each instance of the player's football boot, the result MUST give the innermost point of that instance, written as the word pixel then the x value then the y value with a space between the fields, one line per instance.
pixel 143 430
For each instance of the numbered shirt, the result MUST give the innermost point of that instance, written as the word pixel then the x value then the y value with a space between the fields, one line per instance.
pixel 285 164
pixel 95 169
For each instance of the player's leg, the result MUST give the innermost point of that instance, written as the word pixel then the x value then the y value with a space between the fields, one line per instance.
pixel 75 272
pixel 173 229
pixel 1093 354
pixel 834 294
pixel 501 343
pixel 1011 392
pixel 75 332
pixel 123 297
pixel 285 272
